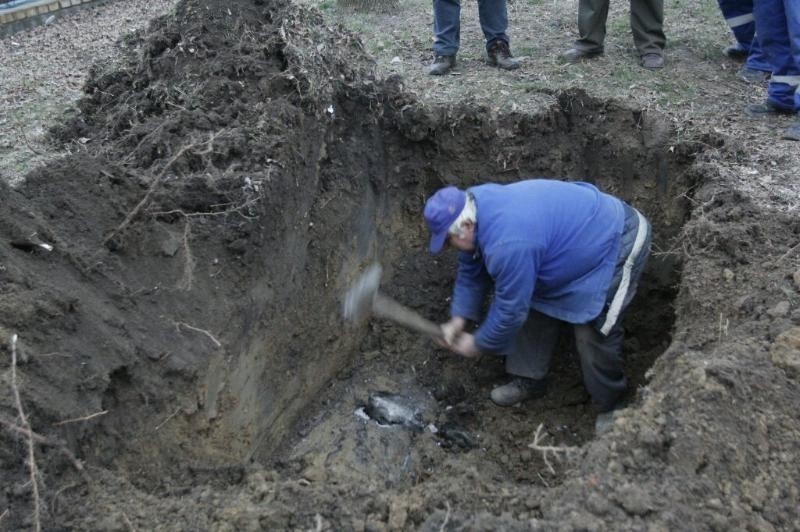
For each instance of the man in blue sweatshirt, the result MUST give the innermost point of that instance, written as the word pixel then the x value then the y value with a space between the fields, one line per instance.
pixel 554 252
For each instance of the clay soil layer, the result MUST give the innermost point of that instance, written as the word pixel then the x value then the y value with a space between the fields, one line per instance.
pixel 172 351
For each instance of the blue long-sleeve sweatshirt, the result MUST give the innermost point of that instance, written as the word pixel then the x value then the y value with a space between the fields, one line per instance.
pixel 546 245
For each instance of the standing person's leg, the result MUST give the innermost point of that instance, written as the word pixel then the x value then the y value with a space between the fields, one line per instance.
pixel 493 17
pixel 447 35
pixel 529 360
pixel 772 28
pixel 738 15
pixel 793 19
pixel 494 23
pixel 592 16
pixel 647 24
pixel 757 59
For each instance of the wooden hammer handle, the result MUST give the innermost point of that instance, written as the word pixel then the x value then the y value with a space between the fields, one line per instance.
pixel 386 307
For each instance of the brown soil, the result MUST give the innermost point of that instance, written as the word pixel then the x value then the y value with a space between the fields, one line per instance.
pixel 243 165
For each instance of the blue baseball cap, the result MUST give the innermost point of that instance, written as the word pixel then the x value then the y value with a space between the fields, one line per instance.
pixel 441 210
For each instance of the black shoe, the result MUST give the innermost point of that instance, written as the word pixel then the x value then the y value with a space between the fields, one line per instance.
pixel 500 56
pixel 652 61
pixel 736 52
pixel 575 55
pixel 519 389
pixel 751 75
pixel 793 133
pixel 442 64
pixel 761 110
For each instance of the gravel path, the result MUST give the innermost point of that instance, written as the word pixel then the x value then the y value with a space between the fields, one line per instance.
pixel 42 71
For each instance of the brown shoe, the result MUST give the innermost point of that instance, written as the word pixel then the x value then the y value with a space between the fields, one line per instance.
pixel 500 56
pixel 576 55
pixel 652 61
pixel 442 64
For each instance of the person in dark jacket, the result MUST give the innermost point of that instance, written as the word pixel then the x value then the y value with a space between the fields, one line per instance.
pixel 553 252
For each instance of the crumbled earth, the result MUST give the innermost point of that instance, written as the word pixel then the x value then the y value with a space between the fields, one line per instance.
pixel 180 355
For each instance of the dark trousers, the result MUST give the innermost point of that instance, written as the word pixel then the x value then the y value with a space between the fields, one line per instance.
pixel 647 24
pixel 599 342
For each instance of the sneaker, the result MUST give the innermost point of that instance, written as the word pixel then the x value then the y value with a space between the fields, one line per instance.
pixel 751 75
pixel 575 55
pixel 518 389
pixel 652 61
pixel 736 52
pixel 500 56
pixel 442 64
pixel 761 110
pixel 793 133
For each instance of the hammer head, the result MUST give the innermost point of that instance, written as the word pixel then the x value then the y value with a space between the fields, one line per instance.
pixel 358 299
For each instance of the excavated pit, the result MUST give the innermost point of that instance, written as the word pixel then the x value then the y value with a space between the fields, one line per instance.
pixel 284 387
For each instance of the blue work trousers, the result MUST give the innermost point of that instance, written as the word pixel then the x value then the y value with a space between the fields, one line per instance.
pixel 739 17
pixel 601 358
pixel 447 24
pixel 778 29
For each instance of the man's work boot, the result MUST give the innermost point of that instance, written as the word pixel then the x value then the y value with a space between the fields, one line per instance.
pixel 442 64
pixel 500 56
pixel 652 61
pixel 793 133
pixel 751 75
pixel 736 52
pixel 576 55
pixel 518 389
pixel 763 110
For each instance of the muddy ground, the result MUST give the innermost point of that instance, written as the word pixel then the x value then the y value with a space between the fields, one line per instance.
pixel 180 354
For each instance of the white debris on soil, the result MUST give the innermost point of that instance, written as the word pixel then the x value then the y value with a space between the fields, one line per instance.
pixel 44 69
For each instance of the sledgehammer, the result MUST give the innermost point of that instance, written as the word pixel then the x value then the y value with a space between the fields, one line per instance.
pixel 364 298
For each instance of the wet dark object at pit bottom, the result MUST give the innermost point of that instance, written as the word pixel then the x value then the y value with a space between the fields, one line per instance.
pixel 394 409
pixel 456 436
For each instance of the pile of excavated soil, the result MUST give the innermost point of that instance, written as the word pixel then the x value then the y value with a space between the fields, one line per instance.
pixel 180 354
pixel 45 69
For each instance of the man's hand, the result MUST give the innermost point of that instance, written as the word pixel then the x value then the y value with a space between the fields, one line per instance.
pixel 464 345
pixel 452 329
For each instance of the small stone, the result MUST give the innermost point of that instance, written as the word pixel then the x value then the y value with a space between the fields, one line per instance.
pixel 785 351
pixel 634 500
pixel 728 275
pixel 780 310
pixel 796 279
pixel 745 303
pixel 398 515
